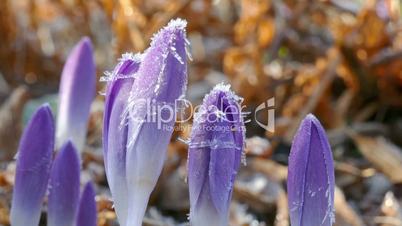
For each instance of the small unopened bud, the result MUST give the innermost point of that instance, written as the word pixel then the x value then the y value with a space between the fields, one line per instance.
pixel 34 160
pixel 311 180
pixel 77 90
pixel 215 153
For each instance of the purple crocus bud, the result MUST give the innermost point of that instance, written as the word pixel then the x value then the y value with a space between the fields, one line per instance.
pixel 33 168
pixel 161 80
pixel 87 207
pixel 311 176
pixel 64 187
pixel 115 129
pixel 77 90
pixel 215 153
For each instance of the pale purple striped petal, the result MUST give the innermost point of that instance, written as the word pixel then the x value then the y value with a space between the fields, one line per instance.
pixel 33 168
pixel 216 148
pixel 87 212
pixel 115 130
pixel 311 176
pixel 160 81
pixel 77 90
pixel 64 187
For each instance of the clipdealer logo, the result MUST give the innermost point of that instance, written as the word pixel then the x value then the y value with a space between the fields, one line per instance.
pixel 268 106
pixel 165 114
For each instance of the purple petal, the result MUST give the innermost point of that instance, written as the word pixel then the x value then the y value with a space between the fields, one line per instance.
pixel 87 212
pixel 117 93
pixel 163 72
pixel 205 212
pixel 115 130
pixel 216 147
pixel 311 176
pixel 64 187
pixel 198 168
pixel 33 168
pixel 144 164
pixel 160 81
pixel 77 90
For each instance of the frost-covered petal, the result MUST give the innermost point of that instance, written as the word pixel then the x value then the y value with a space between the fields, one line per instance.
pixel 118 88
pixel 226 155
pixel 87 208
pixel 215 152
pixel 163 72
pixel 77 90
pixel 33 168
pixel 115 130
pixel 311 176
pixel 198 163
pixel 160 81
pixel 64 187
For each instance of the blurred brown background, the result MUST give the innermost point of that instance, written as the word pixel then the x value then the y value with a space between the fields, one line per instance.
pixel 340 59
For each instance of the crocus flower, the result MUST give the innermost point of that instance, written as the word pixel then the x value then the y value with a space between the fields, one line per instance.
pixel 77 90
pixel 33 168
pixel 135 146
pixel 311 176
pixel 215 154
pixel 115 131
pixel 160 81
pixel 64 187
pixel 87 207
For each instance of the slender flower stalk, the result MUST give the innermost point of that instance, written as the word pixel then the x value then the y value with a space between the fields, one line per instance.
pixel 64 187
pixel 87 207
pixel 77 90
pixel 311 176
pixel 215 154
pixel 115 131
pixel 160 81
pixel 33 168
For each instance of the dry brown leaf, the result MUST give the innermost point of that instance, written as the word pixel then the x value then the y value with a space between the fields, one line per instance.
pixel 282 211
pixel 384 155
pixel 11 122
pixel 269 167
pixel 345 215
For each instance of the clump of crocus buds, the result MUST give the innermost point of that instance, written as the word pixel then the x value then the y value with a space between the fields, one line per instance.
pixel 35 173
pixel 65 207
pixel 34 159
pixel 135 144
pixel 215 153
pixel 311 176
